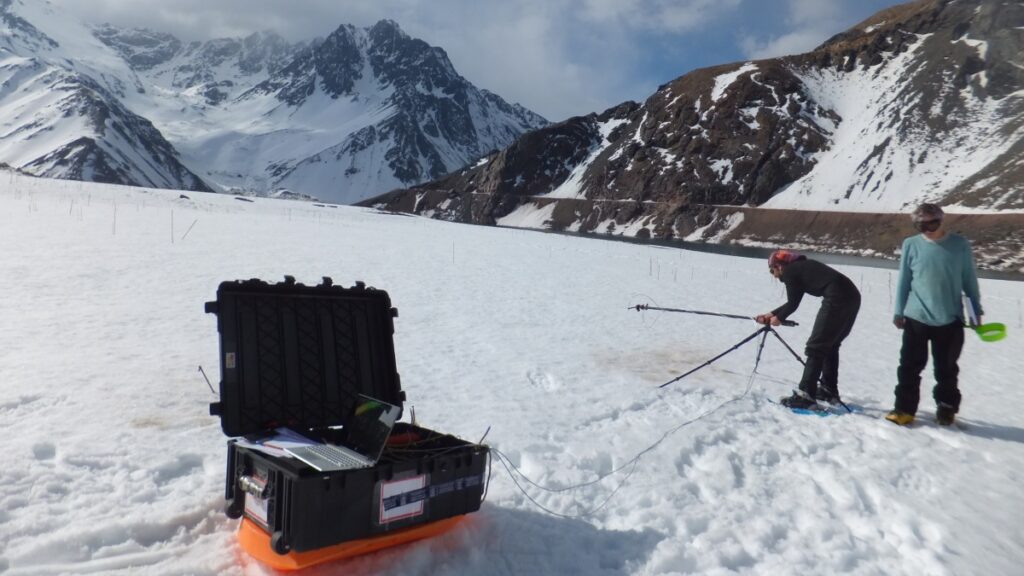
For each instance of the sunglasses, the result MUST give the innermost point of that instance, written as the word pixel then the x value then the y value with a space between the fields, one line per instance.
pixel 928 225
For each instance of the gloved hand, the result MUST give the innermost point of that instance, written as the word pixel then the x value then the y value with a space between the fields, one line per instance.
pixel 899 322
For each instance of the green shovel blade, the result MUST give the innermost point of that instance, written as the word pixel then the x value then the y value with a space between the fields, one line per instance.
pixel 991 332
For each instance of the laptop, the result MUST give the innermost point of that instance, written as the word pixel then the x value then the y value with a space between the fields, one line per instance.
pixel 365 435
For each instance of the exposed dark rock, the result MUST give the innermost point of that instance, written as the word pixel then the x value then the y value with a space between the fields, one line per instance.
pixel 140 47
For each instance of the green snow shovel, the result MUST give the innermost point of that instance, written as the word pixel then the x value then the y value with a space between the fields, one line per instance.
pixel 991 331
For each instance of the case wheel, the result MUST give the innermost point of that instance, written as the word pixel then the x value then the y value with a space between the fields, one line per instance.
pixel 233 510
pixel 279 544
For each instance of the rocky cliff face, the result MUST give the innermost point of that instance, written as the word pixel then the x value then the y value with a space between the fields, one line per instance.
pixel 923 101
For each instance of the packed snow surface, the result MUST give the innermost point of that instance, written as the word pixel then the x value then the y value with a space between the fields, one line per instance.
pixel 114 466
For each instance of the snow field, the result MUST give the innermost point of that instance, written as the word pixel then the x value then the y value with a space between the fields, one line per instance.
pixel 115 466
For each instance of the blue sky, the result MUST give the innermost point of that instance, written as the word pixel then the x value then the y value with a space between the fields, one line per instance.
pixel 559 58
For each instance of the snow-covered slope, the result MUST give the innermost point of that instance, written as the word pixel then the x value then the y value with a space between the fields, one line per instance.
pixel 923 123
pixel 113 465
pixel 341 118
pixel 62 110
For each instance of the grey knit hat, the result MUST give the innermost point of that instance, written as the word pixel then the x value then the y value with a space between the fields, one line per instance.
pixel 926 212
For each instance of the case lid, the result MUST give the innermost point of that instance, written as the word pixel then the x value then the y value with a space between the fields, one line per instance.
pixel 297 356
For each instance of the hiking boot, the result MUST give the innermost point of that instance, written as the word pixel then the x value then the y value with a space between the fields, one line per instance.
pixel 799 400
pixel 827 395
pixel 901 418
pixel 944 415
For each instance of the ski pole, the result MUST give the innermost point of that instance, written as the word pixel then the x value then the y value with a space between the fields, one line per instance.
pixel 640 307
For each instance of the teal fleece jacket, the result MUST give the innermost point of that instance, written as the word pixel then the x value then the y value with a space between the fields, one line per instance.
pixel 933 275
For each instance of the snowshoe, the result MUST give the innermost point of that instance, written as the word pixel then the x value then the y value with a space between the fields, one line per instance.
pixel 800 400
pixel 827 395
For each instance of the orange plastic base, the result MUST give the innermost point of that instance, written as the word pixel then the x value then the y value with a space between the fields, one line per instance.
pixel 256 542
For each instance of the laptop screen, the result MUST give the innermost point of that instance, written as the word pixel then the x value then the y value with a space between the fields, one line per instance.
pixel 370 426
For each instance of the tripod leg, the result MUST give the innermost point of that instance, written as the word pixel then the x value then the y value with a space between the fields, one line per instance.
pixel 791 351
pixel 737 345
pixel 760 347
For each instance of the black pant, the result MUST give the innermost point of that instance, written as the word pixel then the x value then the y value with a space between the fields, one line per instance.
pixel 831 326
pixel 947 343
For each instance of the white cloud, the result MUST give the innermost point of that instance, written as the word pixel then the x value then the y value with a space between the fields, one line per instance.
pixel 669 16
pixel 814 12
pixel 556 57
pixel 796 42
pixel 809 22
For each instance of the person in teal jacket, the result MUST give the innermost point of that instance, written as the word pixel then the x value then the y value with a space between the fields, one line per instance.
pixel 936 268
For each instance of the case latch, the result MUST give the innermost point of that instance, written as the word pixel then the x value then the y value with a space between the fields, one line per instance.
pixel 253 486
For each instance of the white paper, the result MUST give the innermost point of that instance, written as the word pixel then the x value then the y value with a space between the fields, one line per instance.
pixel 275 445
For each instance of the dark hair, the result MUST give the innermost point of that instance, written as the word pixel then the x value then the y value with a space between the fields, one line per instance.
pixel 926 212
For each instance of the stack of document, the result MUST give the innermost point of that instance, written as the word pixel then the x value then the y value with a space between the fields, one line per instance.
pixel 275 444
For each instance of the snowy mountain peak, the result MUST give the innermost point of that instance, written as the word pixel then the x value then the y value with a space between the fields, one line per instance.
pixel 338 61
pixel 401 60
pixel 343 118
pixel 371 109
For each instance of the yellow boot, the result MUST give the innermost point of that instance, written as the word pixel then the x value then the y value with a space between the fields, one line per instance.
pixel 901 418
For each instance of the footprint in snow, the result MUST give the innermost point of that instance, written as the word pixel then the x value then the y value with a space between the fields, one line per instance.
pixel 182 466
pixel 44 450
pixel 544 380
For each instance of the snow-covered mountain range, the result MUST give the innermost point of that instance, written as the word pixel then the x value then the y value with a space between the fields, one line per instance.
pixel 340 118
pixel 923 101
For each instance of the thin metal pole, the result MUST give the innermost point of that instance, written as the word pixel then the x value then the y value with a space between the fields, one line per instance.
pixel 641 307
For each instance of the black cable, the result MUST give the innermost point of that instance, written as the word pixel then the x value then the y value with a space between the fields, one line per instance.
pixel 510 467
pixel 506 463
pixel 487 484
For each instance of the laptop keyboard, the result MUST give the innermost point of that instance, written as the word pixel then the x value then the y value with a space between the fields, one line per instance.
pixel 336 458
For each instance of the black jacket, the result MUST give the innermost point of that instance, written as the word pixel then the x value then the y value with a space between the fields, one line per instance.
pixel 803 276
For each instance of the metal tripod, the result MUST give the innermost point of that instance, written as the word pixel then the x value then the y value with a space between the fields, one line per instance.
pixel 763 332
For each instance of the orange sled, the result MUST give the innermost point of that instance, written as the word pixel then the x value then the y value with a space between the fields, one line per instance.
pixel 256 542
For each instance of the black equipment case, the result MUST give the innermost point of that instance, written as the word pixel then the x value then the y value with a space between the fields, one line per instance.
pixel 296 356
